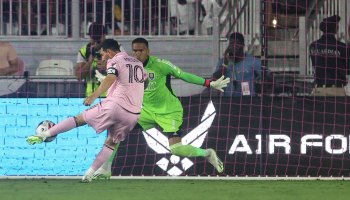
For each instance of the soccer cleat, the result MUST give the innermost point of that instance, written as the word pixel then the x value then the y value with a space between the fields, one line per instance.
pixel 214 160
pixel 35 139
pixel 86 179
pixel 102 174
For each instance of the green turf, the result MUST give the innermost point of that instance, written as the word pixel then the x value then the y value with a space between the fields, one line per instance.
pixel 53 189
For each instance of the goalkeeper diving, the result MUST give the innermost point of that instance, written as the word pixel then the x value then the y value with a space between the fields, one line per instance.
pixel 163 108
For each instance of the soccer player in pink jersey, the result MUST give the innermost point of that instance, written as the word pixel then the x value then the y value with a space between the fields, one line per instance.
pixel 118 112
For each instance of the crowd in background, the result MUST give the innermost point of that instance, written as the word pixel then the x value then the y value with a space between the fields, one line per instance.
pixel 330 57
pixel 139 16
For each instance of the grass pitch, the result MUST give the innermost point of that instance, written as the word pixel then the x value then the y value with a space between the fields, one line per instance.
pixel 133 189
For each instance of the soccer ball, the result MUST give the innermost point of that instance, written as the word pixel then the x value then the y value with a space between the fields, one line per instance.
pixel 43 126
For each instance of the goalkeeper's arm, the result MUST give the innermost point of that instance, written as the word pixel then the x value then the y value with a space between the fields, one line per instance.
pixel 218 84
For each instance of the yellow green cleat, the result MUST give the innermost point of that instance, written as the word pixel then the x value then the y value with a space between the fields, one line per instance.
pixel 215 160
pixel 34 139
pixel 102 174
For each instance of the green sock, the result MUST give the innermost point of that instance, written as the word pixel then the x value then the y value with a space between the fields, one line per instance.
pixel 110 160
pixel 179 149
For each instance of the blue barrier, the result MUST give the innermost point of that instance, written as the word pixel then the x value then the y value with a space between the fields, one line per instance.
pixel 70 154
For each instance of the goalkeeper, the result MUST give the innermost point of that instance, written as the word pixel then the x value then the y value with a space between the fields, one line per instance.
pixel 161 107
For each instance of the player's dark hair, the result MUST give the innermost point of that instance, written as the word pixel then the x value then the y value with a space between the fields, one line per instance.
pixel 111 44
pixel 140 40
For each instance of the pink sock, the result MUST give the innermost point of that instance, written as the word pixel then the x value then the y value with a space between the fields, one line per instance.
pixel 102 157
pixel 63 126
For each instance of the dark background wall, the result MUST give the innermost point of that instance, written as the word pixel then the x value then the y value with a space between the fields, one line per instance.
pixel 292 117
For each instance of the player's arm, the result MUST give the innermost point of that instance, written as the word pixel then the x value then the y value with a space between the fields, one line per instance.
pixel 169 68
pixel 13 62
pixel 192 78
pixel 106 83
pixel 14 67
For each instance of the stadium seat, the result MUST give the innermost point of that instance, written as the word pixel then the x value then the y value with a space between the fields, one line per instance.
pixel 55 68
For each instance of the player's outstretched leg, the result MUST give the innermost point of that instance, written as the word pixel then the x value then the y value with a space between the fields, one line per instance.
pixel 214 160
pixel 37 139
pixel 191 151
pixel 61 127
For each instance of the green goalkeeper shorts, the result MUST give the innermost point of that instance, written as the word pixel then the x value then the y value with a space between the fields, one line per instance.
pixel 170 122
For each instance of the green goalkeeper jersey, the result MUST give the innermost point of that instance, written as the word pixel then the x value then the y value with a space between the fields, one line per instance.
pixel 159 97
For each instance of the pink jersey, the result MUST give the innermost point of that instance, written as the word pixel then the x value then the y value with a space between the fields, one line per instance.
pixel 127 90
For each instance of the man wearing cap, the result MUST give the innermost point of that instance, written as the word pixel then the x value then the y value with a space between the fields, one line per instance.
pixel 243 68
pixel 89 58
pixel 328 57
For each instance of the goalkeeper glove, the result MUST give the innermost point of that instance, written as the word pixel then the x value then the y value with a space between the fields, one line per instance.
pixel 220 83
pixel 99 76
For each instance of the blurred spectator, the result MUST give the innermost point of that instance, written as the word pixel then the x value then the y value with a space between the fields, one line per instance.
pixel 140 22
pixel 10 63
pixel 212 9
pixel 139 7
pixel 118 16
pixel 56 26
pixel 97 6
pixel 185 12
pixel 243 68
pixel 28 17
pixel 89 58
pixel 101 16
pixel 328 56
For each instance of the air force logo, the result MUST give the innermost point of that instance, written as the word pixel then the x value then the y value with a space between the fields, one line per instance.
pixel 159 143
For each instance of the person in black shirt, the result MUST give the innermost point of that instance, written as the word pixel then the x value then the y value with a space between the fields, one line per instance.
pixel 328 57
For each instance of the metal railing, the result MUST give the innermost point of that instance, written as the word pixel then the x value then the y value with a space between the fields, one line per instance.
pixel 241 16
pixel 63 18
pixel 34 17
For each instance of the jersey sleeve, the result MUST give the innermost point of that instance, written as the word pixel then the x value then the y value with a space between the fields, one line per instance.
pixel 170 69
